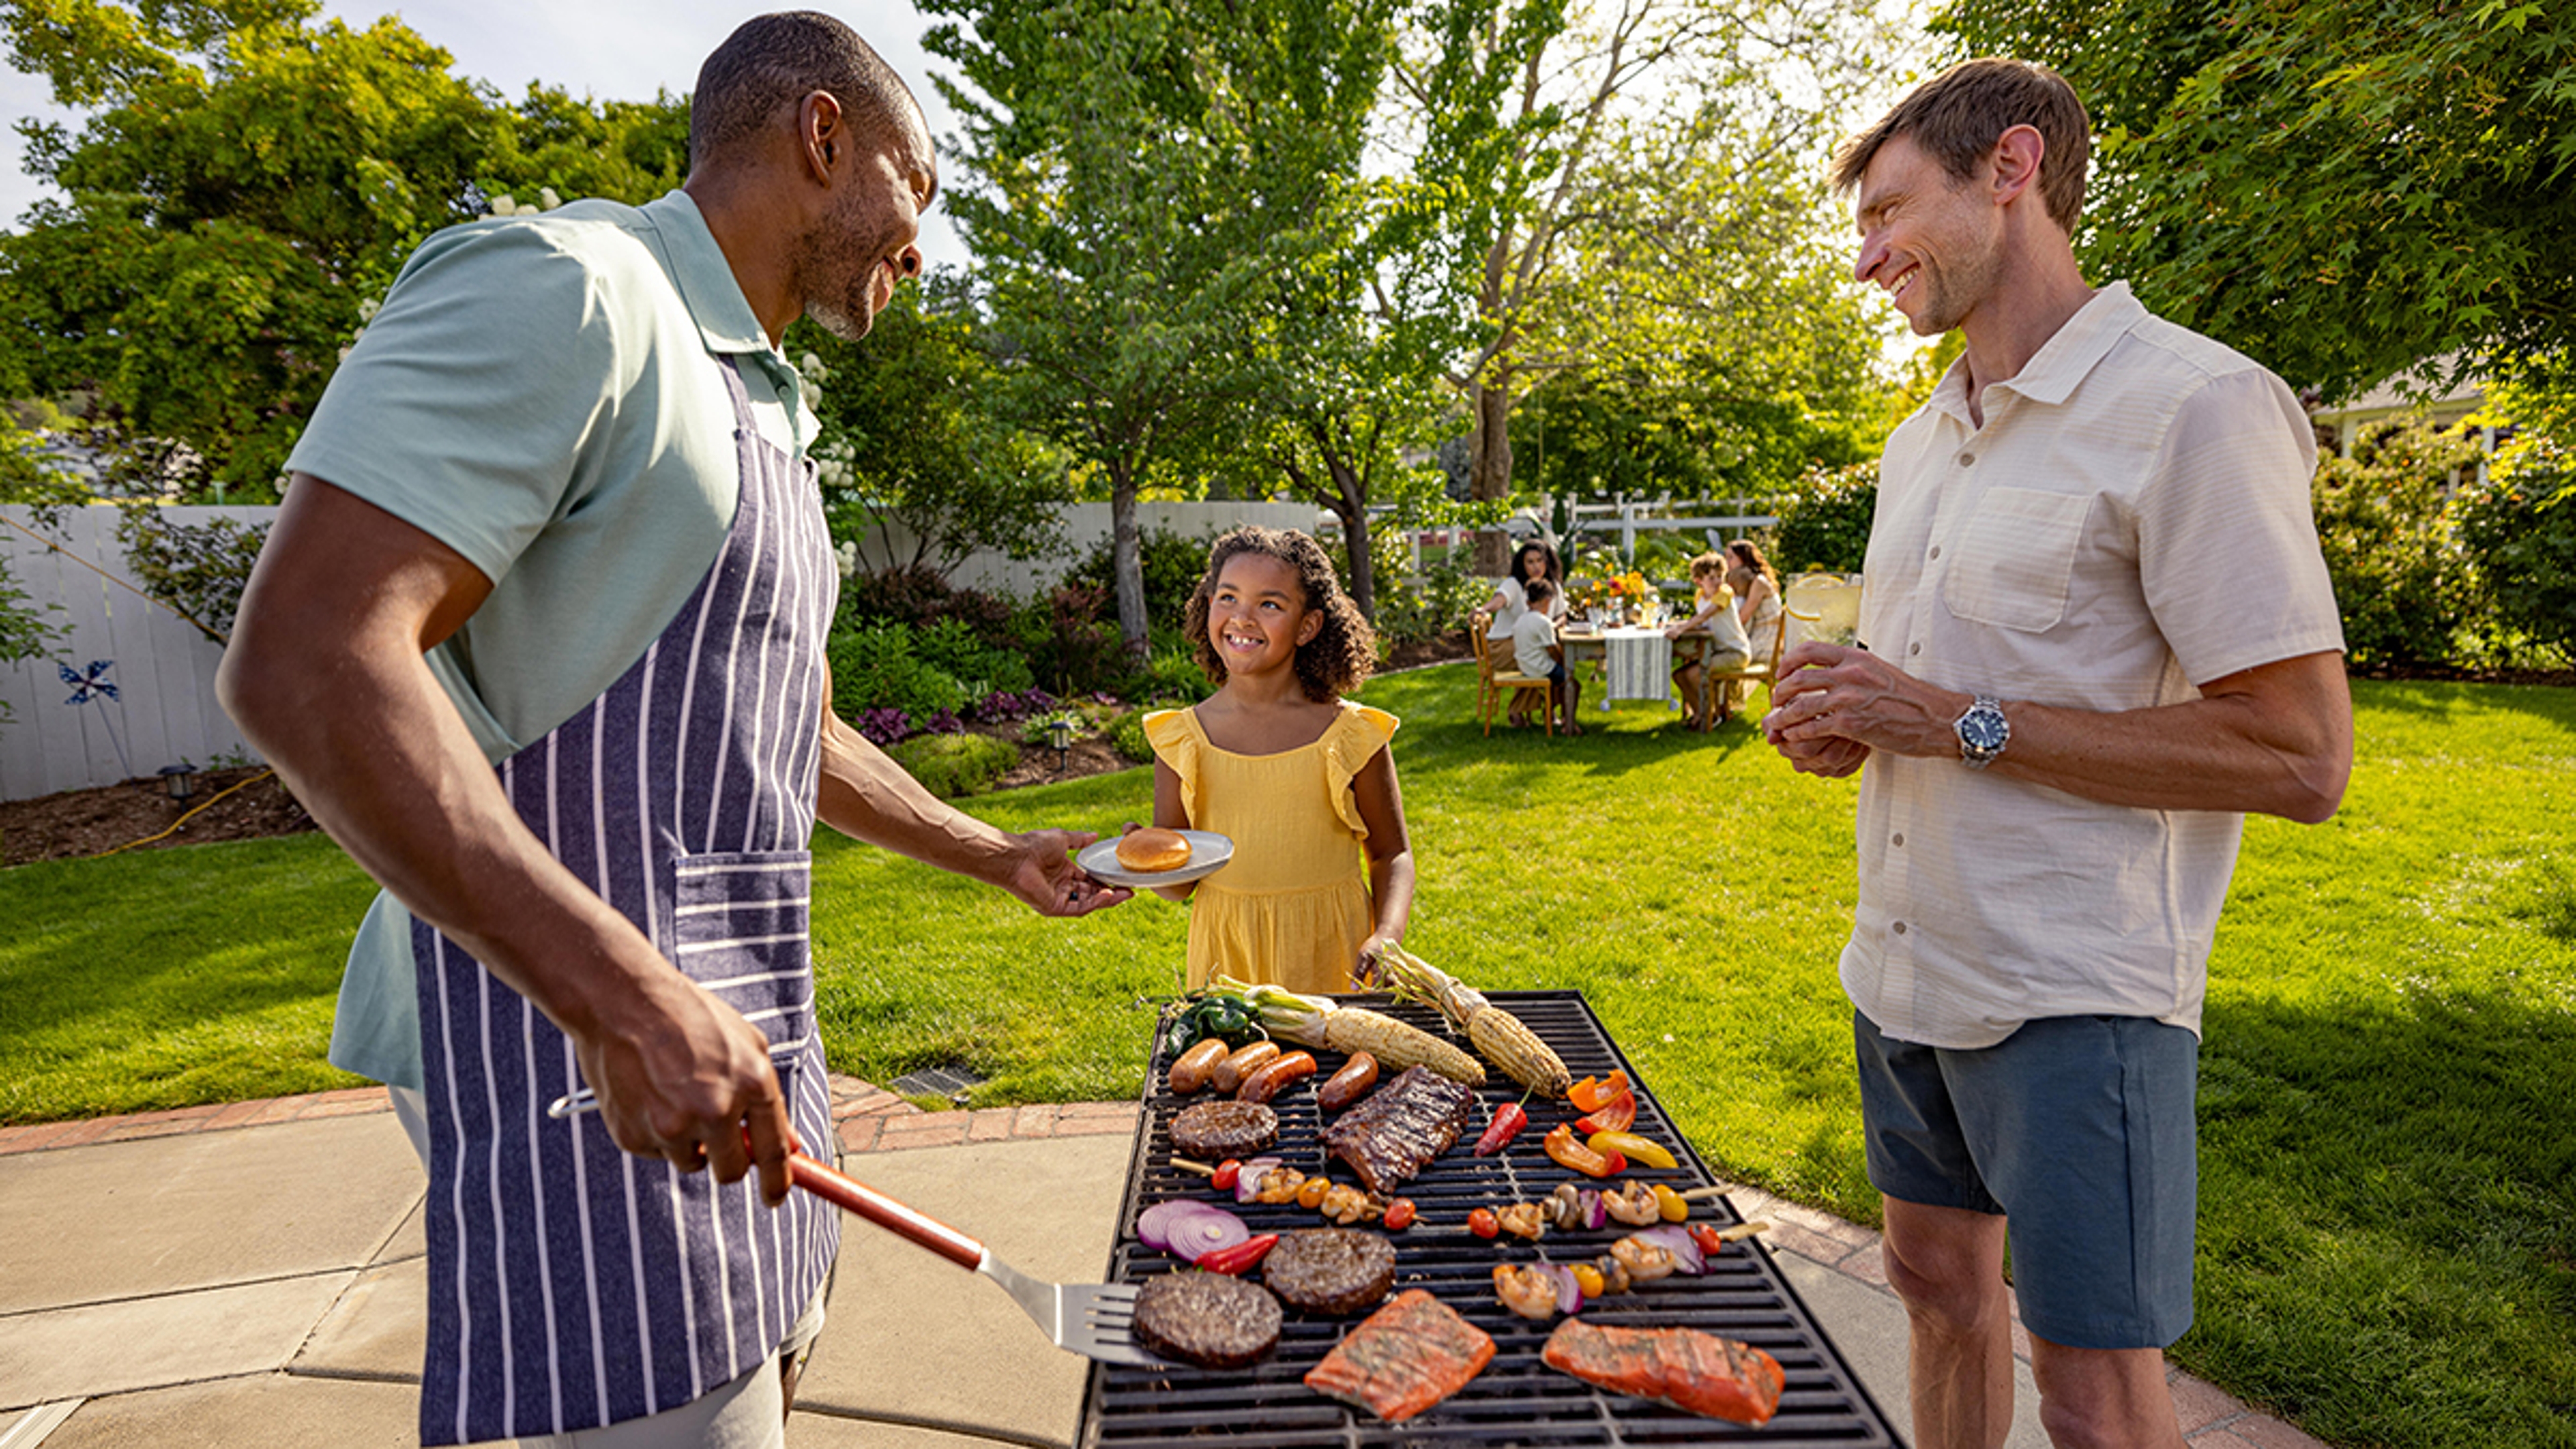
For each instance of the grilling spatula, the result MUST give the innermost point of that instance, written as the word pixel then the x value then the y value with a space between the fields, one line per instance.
pixel 1095 1320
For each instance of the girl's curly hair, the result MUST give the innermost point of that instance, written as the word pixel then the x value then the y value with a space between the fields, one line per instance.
pixel 1343 651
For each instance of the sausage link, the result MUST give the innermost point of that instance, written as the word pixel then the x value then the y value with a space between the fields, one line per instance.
pixel 1229 1073
pixel 1190 1072
pixel 1349 1084
pixel 1267 1078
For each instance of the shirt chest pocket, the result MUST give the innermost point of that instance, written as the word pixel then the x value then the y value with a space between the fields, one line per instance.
pixel 2011 563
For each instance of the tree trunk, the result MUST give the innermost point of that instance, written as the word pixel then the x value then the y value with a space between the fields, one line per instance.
pixel 1489 468
pixel 1126 556
pixel 1353 511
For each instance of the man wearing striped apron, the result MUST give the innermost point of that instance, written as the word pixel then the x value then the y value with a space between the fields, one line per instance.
pixel 538 637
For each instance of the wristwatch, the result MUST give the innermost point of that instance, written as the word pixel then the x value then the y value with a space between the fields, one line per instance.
pixel 1983 732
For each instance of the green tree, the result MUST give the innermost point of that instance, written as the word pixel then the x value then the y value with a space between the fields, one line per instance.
pixel 2344 189
pixel 247 180
pixel 1518 106
pixel 1114 240
pixel 911 444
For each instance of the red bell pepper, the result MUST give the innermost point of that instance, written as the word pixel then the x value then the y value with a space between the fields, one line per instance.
pixel 1616 1115
pixel 1241 1256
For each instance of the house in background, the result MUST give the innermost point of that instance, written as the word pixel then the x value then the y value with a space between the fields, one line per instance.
pixel 2410 396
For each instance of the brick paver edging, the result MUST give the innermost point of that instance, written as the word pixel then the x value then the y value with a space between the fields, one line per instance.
pixel 871 1119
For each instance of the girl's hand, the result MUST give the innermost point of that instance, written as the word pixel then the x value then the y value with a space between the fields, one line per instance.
pixel 1365 974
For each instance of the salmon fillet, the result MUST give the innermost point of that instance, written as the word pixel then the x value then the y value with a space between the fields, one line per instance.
pixel 1404 1358
pixel 1690 1370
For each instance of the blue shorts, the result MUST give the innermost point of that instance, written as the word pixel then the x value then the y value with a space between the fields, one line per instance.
pixel 2076 1129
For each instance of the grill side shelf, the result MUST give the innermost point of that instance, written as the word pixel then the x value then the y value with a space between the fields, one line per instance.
pixel 1517 1399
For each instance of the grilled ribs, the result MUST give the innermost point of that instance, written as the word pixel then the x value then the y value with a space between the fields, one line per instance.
pixel 1400 1128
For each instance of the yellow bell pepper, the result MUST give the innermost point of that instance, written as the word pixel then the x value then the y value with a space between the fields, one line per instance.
pixel 1633 1147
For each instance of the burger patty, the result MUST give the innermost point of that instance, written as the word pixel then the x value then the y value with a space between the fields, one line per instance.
pixel 1207 1319
pixel 1219 1130
pixel 1331 1270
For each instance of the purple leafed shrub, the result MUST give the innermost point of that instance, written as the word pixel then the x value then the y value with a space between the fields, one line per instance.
pixel 945 722
pixel 1004 705
pixel 883 726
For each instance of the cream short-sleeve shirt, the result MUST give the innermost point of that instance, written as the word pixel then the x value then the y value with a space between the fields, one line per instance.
pixel 2131 521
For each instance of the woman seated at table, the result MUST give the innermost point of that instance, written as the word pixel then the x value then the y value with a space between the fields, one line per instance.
pixel 1757 594
pixel 1725 646
pixel 1534 560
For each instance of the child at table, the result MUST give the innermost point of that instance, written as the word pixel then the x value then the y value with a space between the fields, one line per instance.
pixel 1536 650
pixel 1276 760
pixel 1727 647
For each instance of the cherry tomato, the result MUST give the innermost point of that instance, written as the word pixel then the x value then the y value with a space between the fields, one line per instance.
pixel 1312 1193
pixel 1226 1172
pixel 1483 1223
pixel 1588 1278
pixel 1673 1205
pixel 1707 1238
pixel 1399 1215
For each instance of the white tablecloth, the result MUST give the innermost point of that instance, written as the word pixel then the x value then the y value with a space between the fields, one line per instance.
pixel 1636 664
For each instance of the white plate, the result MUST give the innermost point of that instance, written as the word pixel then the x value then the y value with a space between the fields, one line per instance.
pixel 1209 852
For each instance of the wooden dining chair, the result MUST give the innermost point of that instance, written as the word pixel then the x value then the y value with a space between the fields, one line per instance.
pixel 1498 680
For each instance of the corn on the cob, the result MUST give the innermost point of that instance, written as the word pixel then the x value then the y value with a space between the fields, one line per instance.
pixel 1316 1021
pixel 1505 1040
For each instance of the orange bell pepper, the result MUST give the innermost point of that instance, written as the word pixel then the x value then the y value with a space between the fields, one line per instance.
pixel 1566 1151
pixel 1593 1093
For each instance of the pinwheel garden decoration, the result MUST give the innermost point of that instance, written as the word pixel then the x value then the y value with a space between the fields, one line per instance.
pixel 94 685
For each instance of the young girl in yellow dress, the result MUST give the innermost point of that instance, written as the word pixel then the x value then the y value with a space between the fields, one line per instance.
pixel 1297 777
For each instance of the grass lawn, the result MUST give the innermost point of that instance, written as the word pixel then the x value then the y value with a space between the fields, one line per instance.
pixel 2388 1098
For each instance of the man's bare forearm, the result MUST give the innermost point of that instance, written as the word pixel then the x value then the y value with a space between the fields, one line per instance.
pixel 869 797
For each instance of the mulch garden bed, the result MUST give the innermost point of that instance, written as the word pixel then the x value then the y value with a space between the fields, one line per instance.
pixel 79 823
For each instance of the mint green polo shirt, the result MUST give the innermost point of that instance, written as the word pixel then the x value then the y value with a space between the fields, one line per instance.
pixel 544 395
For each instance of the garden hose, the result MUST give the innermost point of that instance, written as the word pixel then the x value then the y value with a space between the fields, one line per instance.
pixel 184 819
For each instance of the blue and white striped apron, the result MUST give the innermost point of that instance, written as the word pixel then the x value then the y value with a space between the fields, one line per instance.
pixel 570 1284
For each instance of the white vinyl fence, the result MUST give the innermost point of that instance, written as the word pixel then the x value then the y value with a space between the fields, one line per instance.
pixel 162 668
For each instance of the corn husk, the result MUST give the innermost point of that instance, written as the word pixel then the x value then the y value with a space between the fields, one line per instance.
pixel 1317 1021
pixel 1505 1039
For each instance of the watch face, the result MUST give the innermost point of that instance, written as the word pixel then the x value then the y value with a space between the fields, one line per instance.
pixel 1982 730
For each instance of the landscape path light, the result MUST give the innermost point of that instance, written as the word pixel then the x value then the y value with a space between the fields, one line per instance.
pixel 180 780
pixel 1060 736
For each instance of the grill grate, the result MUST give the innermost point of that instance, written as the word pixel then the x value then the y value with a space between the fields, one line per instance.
pixel 1517 1400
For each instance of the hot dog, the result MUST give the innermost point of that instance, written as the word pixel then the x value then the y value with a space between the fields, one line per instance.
pixel 1349 1084
pixel 1229 1073
pixel 1190 1072
pixel 1265 1080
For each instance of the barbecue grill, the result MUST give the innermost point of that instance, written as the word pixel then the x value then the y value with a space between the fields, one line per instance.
pixel 1517 1400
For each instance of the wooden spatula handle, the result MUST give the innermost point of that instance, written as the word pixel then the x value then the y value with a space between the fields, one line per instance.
pixel 885 1212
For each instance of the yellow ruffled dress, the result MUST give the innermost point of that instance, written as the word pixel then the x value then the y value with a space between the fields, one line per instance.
pixel 1293 905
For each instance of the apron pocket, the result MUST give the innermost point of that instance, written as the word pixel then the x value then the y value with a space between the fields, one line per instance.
pixel 738 928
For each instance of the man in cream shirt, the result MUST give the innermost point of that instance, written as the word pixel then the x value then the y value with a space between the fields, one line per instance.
pixel 2097 630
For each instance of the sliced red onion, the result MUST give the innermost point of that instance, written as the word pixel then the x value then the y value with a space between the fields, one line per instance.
pixel 1247 1178
pixel 1588 1203
pixel 1676 1239
pixel 1196 1234
pixel 1569 1293
pixel 1153 1225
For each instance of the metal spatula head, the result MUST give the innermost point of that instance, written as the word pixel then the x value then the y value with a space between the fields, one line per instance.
pixel 1096 1320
